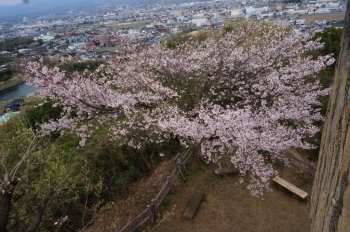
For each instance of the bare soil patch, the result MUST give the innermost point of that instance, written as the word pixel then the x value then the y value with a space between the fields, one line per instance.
pixel 229 206
pixel 329 17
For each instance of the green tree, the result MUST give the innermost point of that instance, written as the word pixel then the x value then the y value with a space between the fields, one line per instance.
pixel 331 38
pixel 15 43
pixel 57 36
pixel 70 182
pixel 17 145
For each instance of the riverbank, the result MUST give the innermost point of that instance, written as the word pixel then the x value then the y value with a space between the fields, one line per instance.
pixel 20 90
pixel 14 81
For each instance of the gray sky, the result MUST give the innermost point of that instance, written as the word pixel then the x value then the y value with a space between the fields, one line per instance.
pixel 9 2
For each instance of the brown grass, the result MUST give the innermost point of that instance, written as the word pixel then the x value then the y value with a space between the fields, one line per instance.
pixel 228 205
pixel 329 17
pixel 116 215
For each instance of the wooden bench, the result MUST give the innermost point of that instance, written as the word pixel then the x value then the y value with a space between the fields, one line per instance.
pixel 226 171
pixel 193 205
pixel 290 187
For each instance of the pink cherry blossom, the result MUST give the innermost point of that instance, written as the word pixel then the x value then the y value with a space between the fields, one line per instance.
pixel 250 93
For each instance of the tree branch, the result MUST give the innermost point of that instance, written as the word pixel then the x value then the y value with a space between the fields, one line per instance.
pixel 101 108
pixel 2 164
pixel 41 209
pixel 29 149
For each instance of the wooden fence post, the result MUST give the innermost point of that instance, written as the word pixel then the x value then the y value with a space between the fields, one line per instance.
pixel 311 171
pixel 155 210
pixel 152 208
pixel 170 184
pixel 152 211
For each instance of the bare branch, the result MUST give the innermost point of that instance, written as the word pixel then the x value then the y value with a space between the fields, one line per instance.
pixel 101 108
pixel 28 151
pixel 2 164
pixel 60 222
pixel 41 209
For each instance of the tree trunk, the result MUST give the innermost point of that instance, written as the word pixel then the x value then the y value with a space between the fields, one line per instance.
pixel 41 209
pixel 330 200
pixel 5 207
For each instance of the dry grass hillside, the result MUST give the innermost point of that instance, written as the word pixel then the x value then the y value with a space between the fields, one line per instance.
pixel 227 206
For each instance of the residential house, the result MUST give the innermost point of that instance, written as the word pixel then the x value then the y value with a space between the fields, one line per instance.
pixel 15 105
pixel 103 40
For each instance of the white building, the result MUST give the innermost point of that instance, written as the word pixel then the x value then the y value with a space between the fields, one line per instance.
pixel 200 20
pixel 323 11
pixel 256 11
pixel 237 12
pixel 77 46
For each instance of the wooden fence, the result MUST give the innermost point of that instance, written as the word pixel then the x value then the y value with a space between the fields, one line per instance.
pixel 308 168
pixel 151 211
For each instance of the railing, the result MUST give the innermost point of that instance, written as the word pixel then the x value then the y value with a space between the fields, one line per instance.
pixel 151 211
pixel 308 168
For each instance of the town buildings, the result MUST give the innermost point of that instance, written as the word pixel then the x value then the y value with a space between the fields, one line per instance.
pixel 98 32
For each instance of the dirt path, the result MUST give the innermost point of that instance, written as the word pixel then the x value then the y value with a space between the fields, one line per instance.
pixel 230 207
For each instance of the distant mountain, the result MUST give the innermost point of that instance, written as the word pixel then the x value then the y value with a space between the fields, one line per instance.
pixel 36 6
pixel 15 13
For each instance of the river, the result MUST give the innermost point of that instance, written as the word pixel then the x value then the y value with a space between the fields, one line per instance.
pixel 18 91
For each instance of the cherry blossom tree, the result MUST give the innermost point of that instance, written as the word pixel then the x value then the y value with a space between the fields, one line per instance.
pixel 250 92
